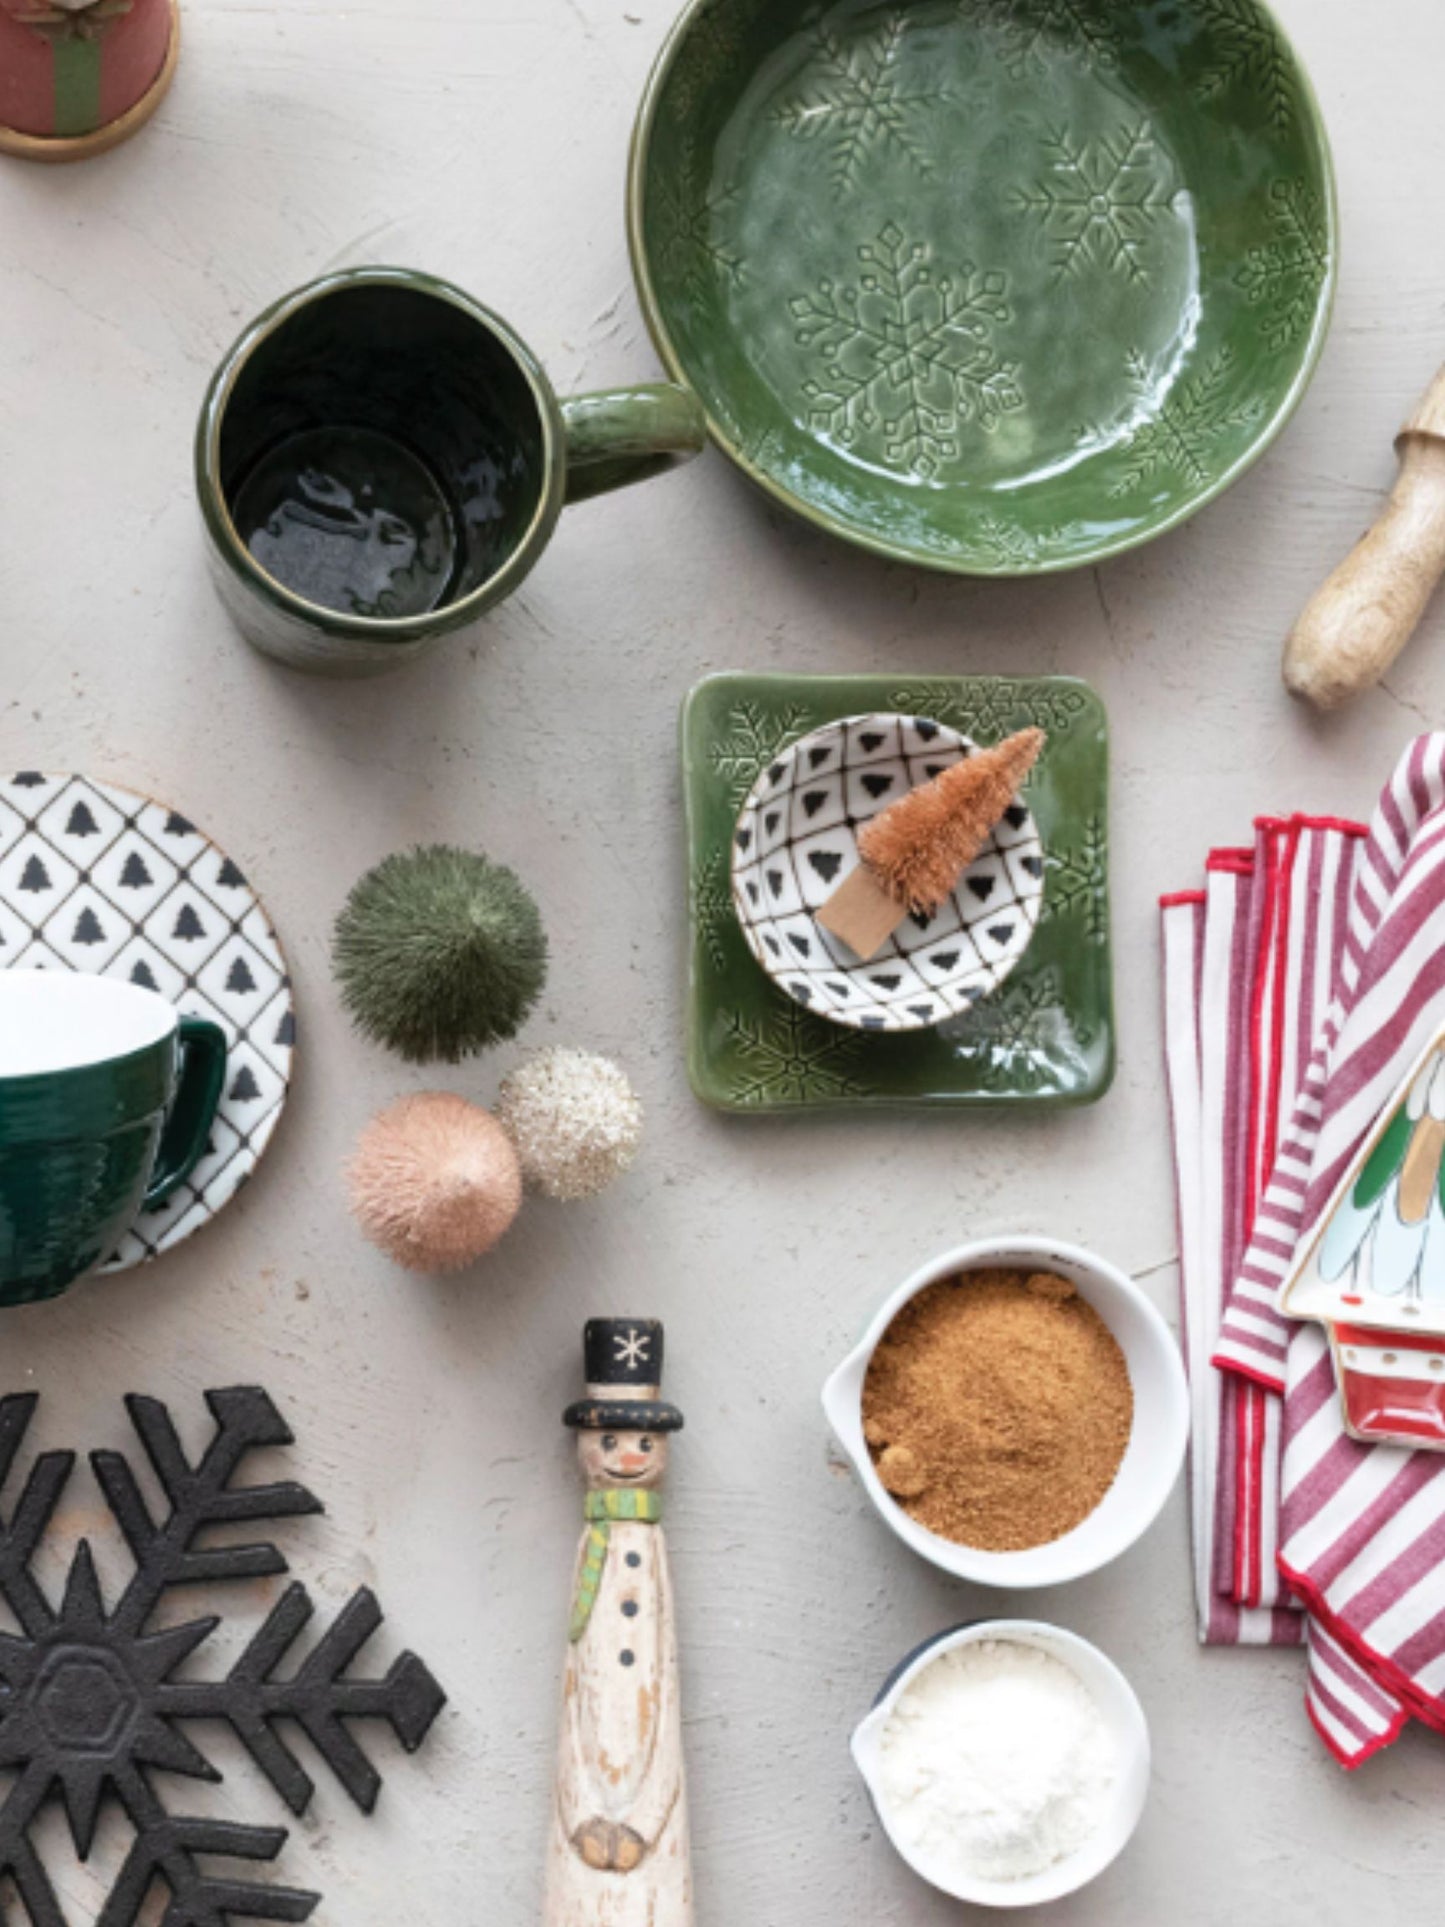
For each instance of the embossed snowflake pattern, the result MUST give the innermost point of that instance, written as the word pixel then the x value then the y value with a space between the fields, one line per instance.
pixel 712 908
pixel 1006 545
pixel 1102 201
pixel 1179 432
pixel 1245 48
pixel 1030 30
pixel 1074 881
pixel 1021 1037
pixel 752 737
pixel 906 358
pixel 1283 276
pixel 993 707
pixel 689 230
pixel 856 103
pixel 787 1057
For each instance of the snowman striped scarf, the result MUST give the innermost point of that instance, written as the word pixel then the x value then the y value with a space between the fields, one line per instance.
pixel 1300 985
pixel 601 1509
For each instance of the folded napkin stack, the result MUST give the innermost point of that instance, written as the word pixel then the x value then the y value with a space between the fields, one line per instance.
pixel 1300 985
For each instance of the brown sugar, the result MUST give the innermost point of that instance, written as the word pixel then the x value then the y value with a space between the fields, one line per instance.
pixel 901 1472
pixel 997 1408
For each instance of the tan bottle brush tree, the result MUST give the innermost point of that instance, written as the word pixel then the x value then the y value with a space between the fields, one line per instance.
pixel 914 852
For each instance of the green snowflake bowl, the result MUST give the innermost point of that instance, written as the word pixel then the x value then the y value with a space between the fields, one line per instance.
pixel 1001 287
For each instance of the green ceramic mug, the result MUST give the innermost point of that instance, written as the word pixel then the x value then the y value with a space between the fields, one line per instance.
pixel 380 459
pixel 107 1098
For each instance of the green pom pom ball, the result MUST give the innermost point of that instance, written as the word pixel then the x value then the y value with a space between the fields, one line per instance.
pixel 439 952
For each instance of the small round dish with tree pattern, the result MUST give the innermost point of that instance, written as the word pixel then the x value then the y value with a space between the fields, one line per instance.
pixel 796 840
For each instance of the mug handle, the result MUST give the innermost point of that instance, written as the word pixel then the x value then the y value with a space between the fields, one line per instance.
pixel 623 435
pixel 198 1095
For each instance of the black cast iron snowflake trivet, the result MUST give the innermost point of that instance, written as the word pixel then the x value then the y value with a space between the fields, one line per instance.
pixel 89 1701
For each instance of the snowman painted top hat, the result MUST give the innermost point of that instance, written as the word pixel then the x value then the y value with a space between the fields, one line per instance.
pixel 623 1362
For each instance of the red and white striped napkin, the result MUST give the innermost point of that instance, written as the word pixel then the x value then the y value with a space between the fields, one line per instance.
pixel 1300 984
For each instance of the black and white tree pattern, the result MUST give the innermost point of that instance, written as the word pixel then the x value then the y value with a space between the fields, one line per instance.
pixel 96 878
pixel 91 1707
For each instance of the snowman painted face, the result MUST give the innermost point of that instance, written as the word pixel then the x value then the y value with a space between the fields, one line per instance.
pixel 617 1460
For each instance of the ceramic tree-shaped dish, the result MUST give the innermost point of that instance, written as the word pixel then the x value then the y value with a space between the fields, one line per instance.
pixel 1374 1270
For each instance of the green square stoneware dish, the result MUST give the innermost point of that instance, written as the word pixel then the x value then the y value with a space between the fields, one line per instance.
pixel 997 286
pixel 1046 1036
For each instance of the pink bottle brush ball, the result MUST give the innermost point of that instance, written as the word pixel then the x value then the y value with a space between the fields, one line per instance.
pixel 434 1182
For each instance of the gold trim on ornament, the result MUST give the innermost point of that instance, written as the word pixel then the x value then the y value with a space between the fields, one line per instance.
pixel 79 147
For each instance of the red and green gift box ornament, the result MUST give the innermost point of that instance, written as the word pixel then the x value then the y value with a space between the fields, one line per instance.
pixel 77 76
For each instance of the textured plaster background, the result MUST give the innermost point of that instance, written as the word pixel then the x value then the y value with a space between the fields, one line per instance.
pixel 485 139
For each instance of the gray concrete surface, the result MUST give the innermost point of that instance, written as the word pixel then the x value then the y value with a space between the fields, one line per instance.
pixel 486 139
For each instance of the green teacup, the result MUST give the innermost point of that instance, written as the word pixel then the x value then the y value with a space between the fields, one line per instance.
pixel 380 459
pixel 107 1098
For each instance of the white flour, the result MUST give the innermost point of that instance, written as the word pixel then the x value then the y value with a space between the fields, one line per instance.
pixel 996 1762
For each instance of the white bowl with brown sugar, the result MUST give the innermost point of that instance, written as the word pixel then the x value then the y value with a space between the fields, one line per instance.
pixel 1017 1412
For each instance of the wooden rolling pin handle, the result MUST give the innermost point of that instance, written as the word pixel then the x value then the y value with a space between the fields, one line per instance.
pixel 1364 615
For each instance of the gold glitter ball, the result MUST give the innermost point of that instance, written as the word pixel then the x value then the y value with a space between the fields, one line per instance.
pixel 575 1120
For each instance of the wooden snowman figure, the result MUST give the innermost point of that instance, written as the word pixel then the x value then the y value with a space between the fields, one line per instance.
pixel 618 1852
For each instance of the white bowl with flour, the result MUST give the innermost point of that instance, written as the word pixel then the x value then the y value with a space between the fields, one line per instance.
pixel 1008 1762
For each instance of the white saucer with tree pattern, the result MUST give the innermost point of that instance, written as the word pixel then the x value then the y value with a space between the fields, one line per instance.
pixel 97 878
pixel 796 840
